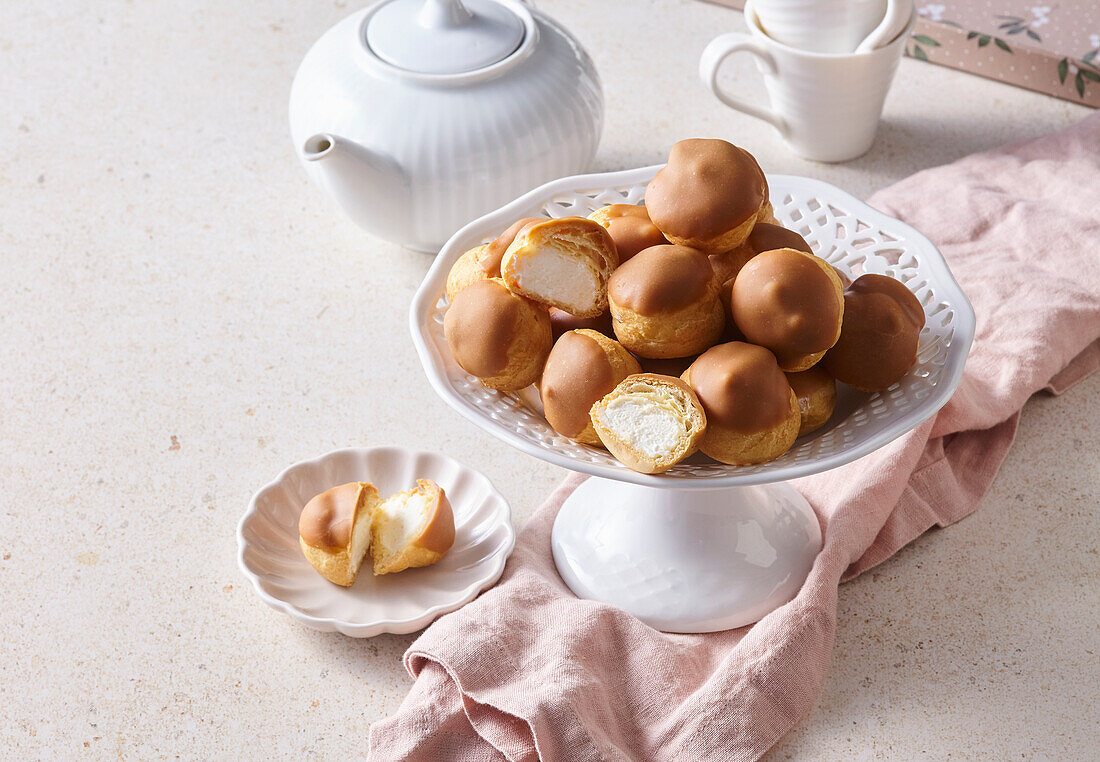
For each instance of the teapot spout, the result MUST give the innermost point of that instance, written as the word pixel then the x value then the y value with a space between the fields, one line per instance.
pixel 371 189
pixel 319 146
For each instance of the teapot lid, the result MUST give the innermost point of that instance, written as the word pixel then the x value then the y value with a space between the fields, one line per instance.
pixel 444 36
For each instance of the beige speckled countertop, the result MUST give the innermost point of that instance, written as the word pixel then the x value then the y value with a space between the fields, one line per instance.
pixel 182 315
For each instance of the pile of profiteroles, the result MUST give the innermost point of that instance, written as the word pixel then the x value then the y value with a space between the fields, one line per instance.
pixel 692 322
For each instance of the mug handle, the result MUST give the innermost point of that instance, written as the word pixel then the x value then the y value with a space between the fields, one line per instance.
pixel 720 48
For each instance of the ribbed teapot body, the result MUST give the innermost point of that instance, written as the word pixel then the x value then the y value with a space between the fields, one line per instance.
pixel 446 150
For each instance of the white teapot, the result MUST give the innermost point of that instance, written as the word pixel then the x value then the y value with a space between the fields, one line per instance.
pixel 418 116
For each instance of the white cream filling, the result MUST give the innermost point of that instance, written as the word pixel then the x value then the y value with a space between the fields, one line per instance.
pixel 557 278
pixel 651 429
pixel 401 518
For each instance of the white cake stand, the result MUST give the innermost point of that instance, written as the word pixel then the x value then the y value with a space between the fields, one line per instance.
pixel 707 546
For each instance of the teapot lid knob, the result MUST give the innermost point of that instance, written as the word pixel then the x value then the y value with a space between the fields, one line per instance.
pixel 444 36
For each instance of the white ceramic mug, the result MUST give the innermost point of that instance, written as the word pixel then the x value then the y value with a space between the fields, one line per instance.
pixel 826 107
pixel 832 26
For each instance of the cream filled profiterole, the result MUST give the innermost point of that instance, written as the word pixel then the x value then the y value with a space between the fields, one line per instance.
pixel 708 196
pixel 583 366
pixel 752 413
pixel 694 321
pixel 563 263
pixel 650 422
pixel 561 321
pixel 790 302
pixel 500 337
pixel 630 228
pixel 816 393
pixel 878 342
pixel 338 528
pixel 334 530
pixel 664 303
pixel 483 262
pixel 765 236
pixel 412 528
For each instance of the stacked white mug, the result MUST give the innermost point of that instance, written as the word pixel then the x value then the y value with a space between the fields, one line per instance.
pixel 827 67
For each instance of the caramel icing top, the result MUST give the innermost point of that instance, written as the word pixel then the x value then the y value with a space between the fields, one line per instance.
pixel 489 259
pixel 561 321
pixel 577 375
pixel 895 290
pixel 631 229
pixel 327 520
pixel 881 331
pixel 668 366
pixel 481 324
pixel 727 264
pixel 741 387
pixel 766 237
pixel 662 279
pixel 785 301
pixel 707 188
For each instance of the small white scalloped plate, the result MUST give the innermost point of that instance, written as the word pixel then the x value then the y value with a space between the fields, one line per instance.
pixel 269 554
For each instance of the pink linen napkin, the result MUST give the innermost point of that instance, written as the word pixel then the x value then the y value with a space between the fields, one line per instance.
pixel 528 671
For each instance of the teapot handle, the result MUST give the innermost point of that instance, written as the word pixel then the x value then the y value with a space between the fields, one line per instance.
pixel 443 14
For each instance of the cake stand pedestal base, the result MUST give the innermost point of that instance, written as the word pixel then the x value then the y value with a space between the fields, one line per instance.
pixel 686 560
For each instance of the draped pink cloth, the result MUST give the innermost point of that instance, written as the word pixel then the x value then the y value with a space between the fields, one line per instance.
pixel 528 671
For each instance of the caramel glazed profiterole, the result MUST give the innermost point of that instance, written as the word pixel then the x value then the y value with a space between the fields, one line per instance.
pixel 500 337
pixel 816 393
pixel 664 302
pixel 630 228
pixel 708 196
pixel 561 322
pixel 765 236
pixel 483 262
pixel 880 336
pixel 583 367
pixel 752 413
pixel 790 302
pixel 334 530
